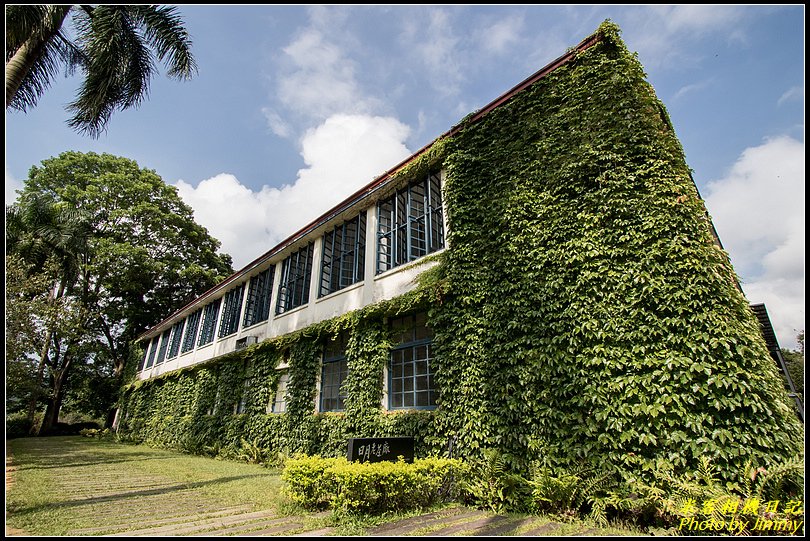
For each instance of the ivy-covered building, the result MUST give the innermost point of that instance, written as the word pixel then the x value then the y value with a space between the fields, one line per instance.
pixel 543 279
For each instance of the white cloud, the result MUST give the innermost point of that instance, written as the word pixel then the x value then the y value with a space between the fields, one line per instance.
pixel 12 184
pixel 695 87
pixel 435 45
pixel 278 125
pixel 696 18
pixel 502 35
pixel 758 210
pixel 342 155
pixel 662 34
pixel 795 93
pixel 320 79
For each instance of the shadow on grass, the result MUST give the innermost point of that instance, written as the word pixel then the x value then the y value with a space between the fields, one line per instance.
pixel 179 487
pixel 71 452
pixel 51 464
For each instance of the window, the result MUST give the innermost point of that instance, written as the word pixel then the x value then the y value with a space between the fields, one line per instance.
pixel 411 372
pixel 333 373
pixel 241 405
pixel 410 223
pixel 344 255
pixel 230 313
pixel 152 350
pixel 212 410
pixel 177 333
pixel 257 308
pixel 164 346
pixel 279 403
pixel 191 331
pixel 293 290
pixel 145 356
pixel 210 314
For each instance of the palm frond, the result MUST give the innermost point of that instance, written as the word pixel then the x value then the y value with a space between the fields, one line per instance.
pixel 116 47
pixel 165 31
pixel 119 42
pixel 35 51
pixel 22 22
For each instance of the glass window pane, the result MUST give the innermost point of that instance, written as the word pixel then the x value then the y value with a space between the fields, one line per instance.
pixel 422 400
pixel 421 383
pixel 296 272
pixel 410 369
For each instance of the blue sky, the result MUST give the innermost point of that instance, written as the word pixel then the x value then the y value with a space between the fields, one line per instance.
pixel 295 107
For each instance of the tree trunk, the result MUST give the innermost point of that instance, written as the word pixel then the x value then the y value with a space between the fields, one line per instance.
pixel 55 404
pixel 24 58
pixel 43 360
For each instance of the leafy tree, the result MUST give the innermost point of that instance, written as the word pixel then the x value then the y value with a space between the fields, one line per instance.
pixel 142 258
pixel 26 296
pixel 114 46
pixel 52 239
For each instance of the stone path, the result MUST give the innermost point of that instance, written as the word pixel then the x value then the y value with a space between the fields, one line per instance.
pixel 459 520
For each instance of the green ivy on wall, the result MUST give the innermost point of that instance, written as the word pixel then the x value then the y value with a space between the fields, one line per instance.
pixel 590 316
pixel 582 312
pixel 193 409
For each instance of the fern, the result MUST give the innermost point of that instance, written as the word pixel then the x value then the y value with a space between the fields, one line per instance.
pixel 494 485
pixel 787 477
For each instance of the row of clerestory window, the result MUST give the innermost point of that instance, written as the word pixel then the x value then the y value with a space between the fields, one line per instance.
pixel 410 224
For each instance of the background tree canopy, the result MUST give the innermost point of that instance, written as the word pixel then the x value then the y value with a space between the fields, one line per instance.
pixel 115 250
pixel 795 364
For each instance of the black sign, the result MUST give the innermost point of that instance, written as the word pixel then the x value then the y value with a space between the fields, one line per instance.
pixel 379 449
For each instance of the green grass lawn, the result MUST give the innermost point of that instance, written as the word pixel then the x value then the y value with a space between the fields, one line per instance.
pixel 86 486
pixel 66 483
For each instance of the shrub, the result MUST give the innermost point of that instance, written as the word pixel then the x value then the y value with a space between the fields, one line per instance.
pixel 95 433
pixel 18 426
pixel 344 486
pixel 74 429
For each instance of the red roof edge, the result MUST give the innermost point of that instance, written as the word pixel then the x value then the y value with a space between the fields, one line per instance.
pixel 388 175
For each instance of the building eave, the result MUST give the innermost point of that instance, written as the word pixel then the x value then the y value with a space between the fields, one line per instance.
pixel 375 185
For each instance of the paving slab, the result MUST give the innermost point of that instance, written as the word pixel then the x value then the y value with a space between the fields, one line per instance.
pixel 199 526
pixel 315 533
pixel 278 529
pixel 405 529
pixel 129 524
pixel 251 528
pixel 545 529
pixel 502 529
pixel 418 519
pixel 467 526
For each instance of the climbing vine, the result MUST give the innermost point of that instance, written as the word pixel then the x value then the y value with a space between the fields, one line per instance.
pixel 589 315
pixel 582 312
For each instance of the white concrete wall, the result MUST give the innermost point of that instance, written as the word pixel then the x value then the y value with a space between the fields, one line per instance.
pixel 373 289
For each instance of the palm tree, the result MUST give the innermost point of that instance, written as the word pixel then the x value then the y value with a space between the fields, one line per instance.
pixel 114 46
pixel 42 231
